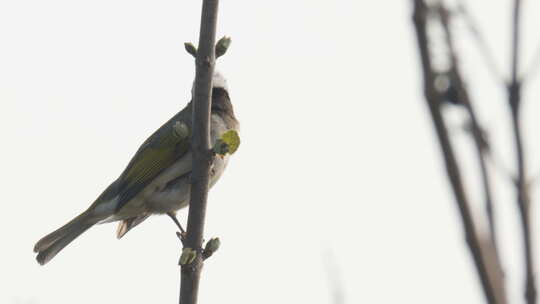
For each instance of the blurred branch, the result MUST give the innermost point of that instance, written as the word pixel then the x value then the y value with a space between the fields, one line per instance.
pixel 433 99
pixel 514 101
pixel 486 52
pixel 492 259
pixel 202 154
pixel 515 45
pixel 481 144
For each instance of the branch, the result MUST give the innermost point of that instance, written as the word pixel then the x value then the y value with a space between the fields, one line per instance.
pixel 486 52
pixel 202 154
pixel 515 43
pixel 433 99
pixel 491 256
pixel 514 101
pixel 482 150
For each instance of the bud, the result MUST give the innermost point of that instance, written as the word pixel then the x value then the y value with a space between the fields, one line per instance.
pixel 190 48
pixel 222 46
pixel 212 245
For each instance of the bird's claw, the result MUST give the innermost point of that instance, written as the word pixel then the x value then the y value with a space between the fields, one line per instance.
pixel 181 236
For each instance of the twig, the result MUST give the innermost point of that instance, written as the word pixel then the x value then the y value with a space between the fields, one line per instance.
pixel 514 101
pixel 481 150
pixel 433 99
pixel 486 52
pixel 201 148
pixel 515 45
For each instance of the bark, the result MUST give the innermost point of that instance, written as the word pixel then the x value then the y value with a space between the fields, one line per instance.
pixel 201 147
pixel 433 99
pixel 522 197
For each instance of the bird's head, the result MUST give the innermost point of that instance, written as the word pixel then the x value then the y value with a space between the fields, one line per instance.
pixel 218 82
pixel 221 102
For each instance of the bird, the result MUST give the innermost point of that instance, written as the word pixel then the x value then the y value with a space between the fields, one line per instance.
pixel 155 181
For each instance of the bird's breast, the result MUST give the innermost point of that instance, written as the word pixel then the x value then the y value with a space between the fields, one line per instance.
pixel 170 191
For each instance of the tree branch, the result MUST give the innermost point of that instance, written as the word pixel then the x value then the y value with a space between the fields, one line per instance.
pixel 433 99
pixel 514 101
pixel 497 272
pixel 515 42
pixel 201 148
pixel 483 47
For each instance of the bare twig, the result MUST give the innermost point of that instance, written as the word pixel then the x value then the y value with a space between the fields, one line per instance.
pixel 201 148
pixel 515 44
pixel 491 257
pixel 481 150
pixel 483 47
pixel 514 101
pixel 433 99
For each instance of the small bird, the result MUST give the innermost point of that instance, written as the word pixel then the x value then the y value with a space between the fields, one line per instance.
pixel 156 180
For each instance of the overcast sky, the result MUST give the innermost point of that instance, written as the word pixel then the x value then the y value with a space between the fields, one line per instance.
pixel 338 181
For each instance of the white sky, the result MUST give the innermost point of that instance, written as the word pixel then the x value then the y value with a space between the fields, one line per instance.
pixel 338 165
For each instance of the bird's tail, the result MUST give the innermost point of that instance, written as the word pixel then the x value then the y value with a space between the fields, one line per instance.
pixel 51 244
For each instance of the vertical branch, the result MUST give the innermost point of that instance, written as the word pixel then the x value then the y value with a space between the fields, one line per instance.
pixel 497 273
pixel 515 41
pixel 201 148
pixel 514 100
pixel 433 99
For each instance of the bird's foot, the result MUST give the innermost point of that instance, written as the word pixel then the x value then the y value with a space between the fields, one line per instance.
pixel 182 233
pixel 182 237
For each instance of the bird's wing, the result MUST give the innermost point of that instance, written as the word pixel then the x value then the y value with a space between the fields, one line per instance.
pixel 168 144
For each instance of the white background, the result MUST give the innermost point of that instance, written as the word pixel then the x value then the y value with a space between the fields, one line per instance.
pixel 338 181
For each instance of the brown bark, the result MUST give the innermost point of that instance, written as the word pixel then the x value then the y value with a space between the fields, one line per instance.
pixel 202 154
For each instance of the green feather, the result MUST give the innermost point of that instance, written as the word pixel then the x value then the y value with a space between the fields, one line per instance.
pixel 160 151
